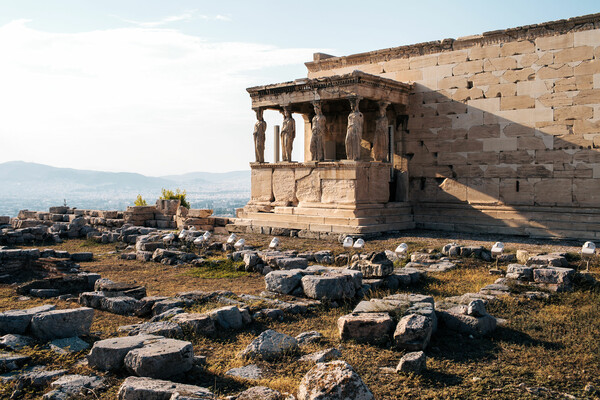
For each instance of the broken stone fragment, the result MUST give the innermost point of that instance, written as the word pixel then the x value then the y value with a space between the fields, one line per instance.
pixel 58 324
pixel 160 359
pixel 333 380
pixel 270 345
pixel 135 388
pixel 413 332
pixel 365 327
pixel 414 362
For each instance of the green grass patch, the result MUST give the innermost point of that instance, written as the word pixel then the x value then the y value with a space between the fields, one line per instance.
pixel 217 269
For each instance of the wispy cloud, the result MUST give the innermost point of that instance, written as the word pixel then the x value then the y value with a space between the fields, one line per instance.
pixel 151 100
pixel 186 16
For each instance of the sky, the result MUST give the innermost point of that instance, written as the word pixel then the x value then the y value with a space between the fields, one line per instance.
pixel 158 87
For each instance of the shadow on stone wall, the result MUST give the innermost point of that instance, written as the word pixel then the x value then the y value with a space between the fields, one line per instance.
pixel 485 166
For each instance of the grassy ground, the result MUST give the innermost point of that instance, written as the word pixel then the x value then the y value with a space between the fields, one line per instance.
pixel 549 344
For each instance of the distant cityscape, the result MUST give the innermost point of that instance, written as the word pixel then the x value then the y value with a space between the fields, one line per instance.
pixel 38 187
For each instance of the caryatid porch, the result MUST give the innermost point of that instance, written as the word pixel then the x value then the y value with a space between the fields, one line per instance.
pixel 351 178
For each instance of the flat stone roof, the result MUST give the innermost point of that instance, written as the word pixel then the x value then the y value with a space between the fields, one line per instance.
pixel 300 94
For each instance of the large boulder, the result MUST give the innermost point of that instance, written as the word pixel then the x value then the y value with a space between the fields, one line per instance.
pixel 17 321
pixel 365 327
pixel 335 380
pixel 160 359
pixel 270 345
pixel 329 286
pixel 284 282
pixel 109 354
pixel 58 324
pixel 134 388
pixel 413 332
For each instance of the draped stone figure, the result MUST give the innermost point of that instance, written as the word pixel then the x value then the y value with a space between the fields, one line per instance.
pixel 318 131
pixel 288 133
pixel 381 141
pixel 354 131
pixel 259 136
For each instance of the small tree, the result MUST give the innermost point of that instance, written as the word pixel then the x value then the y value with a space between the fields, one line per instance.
pixel 177 195
pixel 139 201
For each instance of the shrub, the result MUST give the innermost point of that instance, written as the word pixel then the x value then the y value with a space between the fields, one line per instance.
pixel 139 201
pixel 177 195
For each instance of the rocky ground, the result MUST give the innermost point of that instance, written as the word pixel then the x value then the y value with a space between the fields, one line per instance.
pixel 195 319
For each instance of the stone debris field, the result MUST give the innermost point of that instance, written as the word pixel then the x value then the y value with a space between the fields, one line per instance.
pixel 95 306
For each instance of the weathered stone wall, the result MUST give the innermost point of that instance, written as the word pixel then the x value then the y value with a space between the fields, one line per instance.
pixel 503 128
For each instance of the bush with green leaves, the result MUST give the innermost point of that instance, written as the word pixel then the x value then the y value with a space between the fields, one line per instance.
pixel 177 195
pixel 139 201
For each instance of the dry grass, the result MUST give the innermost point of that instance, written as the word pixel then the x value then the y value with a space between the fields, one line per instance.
pixel 551 343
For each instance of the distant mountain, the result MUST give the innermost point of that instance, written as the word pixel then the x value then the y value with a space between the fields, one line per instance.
pixel 19 177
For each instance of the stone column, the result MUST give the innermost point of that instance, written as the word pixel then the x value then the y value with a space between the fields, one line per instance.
pixel 276 144
pixel 259 136
pixel 319 123
pixel 354 131
pixel 381 140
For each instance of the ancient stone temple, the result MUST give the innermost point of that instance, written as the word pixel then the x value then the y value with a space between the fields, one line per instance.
pixel 495 133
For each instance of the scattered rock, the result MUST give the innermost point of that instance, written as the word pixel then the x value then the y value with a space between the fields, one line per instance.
pixel 229 317
pixel 414 362
pixel 413 332
pixel 456 318
pixel 365 327
pixel 15 342
pixel 135 388
pixel 309 337
pixel 333 380
pixel 17 321
pixel 322 356
pixel 252 372
pixel 109 354
pixel 259 393
pixel 284 282
pixel 199 324
pixel 329 286
pixel 74 385
pixel 12 361
pixel 58 324
pixel 68 345
pixel 270 345
pixel 161 328
pixel 160 359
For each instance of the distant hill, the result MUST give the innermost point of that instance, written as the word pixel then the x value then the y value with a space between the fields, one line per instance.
pixel 25 177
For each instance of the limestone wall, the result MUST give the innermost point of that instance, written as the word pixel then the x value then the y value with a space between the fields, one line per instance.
pixel 333 183
pixel 503 128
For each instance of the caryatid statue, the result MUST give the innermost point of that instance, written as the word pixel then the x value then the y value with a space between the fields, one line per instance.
pixel 288 133
pixel 318 131
pixel 354 131
pixel 381 141
pixel 259 136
